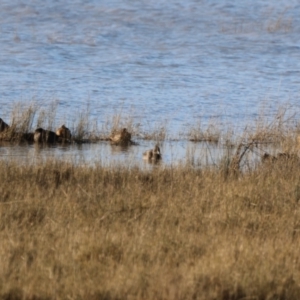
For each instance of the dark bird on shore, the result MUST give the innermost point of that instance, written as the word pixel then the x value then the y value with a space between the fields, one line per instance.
pixel 64 132
pixel 44 136
pixel 3 125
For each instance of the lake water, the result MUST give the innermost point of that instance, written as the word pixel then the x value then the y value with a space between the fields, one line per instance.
pixel 169 63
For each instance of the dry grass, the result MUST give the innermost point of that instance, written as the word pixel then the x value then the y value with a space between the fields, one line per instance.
pixel 211 133
pixel 271 22
pixel 78 232
pixel 281 130
pixel 275 129
pixel 21 123
pixel 154 131
pixel 280 23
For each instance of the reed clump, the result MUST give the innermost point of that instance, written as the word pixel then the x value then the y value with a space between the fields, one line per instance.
pixel 21 124
pixel 155 132
pixel 279 23
pixel 275 130
pixel 199 133
pixel 93 232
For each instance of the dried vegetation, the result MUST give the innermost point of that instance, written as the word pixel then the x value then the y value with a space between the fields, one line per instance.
pixel 83 232
pixel 222 231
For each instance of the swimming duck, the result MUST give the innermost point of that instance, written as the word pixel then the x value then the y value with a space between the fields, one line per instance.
pixel 153 154
pixel 282 156
pixel 120 137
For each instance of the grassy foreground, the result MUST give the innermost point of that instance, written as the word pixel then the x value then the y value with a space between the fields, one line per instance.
pixel 78 232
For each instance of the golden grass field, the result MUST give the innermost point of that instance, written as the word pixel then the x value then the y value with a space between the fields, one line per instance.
pixel 80 232
pixel 72 231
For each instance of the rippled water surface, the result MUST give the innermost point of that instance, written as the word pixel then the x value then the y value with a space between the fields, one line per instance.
pixel 157 61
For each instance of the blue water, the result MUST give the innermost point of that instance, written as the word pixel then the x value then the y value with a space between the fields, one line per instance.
pixel 161 62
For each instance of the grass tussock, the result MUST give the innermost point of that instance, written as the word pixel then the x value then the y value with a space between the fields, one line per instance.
pixel 119 121
pixel 279 23
pixel 211 133
pixel 275 130
pixel 80 232
pixel 155 132
pixel 21 124
pixel 272 22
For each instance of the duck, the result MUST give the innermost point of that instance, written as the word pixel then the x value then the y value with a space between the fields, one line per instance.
pixel 44 136
pixel 120 137
pixel 282 156
pixel 3 125
pixel 64 132
pixel 152 155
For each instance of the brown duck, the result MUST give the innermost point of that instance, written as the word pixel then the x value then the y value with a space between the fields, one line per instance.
pixel 64 132
pixel 153 154
pixel 120 137
pixel 44 136
pixel 3 125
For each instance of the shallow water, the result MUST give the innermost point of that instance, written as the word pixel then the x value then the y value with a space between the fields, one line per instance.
pixel 174 153
pixel 160 62
pixel 104 153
